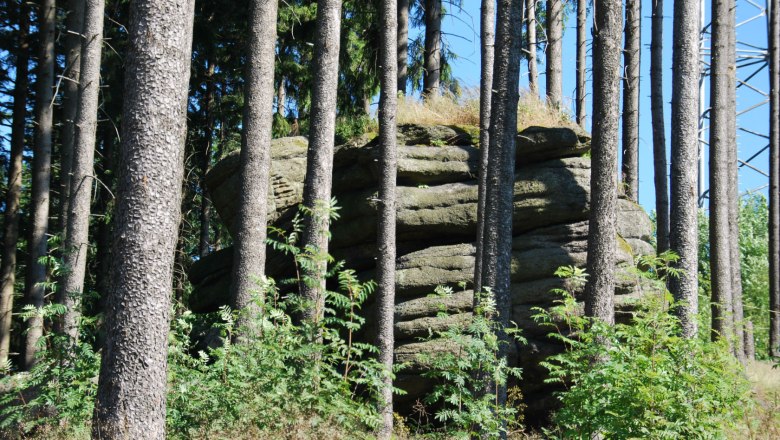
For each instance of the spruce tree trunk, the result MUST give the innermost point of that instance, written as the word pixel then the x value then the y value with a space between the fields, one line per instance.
pixel 582 48
pixel 41 177
pixel 600 289
pixel 533 71
pixel 131 395
pixel 683 238
pixel 319 160
pixel 204 246
pixel 432 75
pixel 255 167
pixel 281 97
pixel 386 249
pixel 403 44
pixel 632 56
pixel 720 169
pixel 554 81
pixel 77 232
pixel 487 41
pixel 774 178
pixel 660 163
pixel 14 191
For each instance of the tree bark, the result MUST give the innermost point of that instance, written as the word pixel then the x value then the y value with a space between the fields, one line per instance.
pixel 602 235
pixel 774 178
pixel 41 176
pixel 204 246
pixel 77 232
pixel 487 41
pixel 554 81
pixel 281 97
pixel 432 75
pixel 319 165
pixel 660 163
pixel 533 72
pixel 386 249
pixel 403 44
pixel 750 345
pixel 582 48
pixel 131 394
pixel 13 194
pixel 249 253
pixel 683 237
pixel 632 56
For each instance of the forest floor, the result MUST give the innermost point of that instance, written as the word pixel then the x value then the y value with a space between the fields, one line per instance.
pixel 763 422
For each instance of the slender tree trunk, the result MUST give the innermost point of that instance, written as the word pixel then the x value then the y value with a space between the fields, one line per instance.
pixel 204 246
pixel 13 194
pixel 632 56
pixel 497 246
pixel 403 44
pixel 432 76
pixel 319 165
pixel 661 165
pixel 720 164
pixel 774 178
pixel 582 48
pixel 131 396
pixel 386 250
pixel 750 345
pixel 683 238
pixel 103 205
pixel 600 290
pixel 77 231
pixel 487 41
pixel 554 81
pixel 533 72
pixel 255 167
pixel 281 97
pixel 38 246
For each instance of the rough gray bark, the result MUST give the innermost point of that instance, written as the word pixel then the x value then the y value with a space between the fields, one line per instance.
pixel 497 246
pixel 281 97
pixel 750 343
pixel 720 164
pixel 487 41
pixel 41 176
pixel 249 253
pixel 600 289
pixel 319 160
pixel 204 246
pixel 403 44
pixel 683 238
pixel 432 75
pixel 553 60
pixel 131 394
pixel 533 71
pixel 14 191
pixel 582 48
pixel 632 56
pixel 774 178
pixel 77 231
pixel 660 163
pixel 386 249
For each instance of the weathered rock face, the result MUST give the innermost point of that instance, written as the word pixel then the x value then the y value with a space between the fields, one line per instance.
pixel 437 200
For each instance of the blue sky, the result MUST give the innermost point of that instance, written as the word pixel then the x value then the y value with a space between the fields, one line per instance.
pixel 462 29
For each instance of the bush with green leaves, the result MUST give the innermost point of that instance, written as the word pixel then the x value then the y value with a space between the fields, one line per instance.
pixel 641 379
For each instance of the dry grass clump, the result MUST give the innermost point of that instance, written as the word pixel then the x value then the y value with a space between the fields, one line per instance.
pixel 762 421
pixel 464 110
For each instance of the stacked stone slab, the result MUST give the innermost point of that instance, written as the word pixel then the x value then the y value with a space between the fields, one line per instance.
pixel 437 200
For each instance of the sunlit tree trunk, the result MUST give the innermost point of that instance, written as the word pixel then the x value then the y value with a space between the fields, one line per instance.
pixel 403 44
pixel 632 56
pixel 660 163
pixel 432 74
pixel 533 72
pixel 553 60
pixel 774 178
pixel 582 43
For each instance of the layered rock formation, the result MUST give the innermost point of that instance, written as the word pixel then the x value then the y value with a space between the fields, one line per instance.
pixel 437 199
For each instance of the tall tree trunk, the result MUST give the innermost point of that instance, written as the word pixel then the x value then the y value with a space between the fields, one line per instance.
pixel 554 81
pixel 255 166
pixel 281 97
pixel 386 250
pixel 403 44
pixel 497 246
pixel 432 75
pixel 582 48
pixel 131 395
pixel 77 231
pixel 319 165
pixel 204 246
pixel 13 194
pixel 720 165
pixel 103 206
pixel 774 178
pixel 487 41
pixel 41 176
pixel 74 25
pixel 632 56
pixel 533 72
pixel 660 164
pixel 600 289
pixel 683 238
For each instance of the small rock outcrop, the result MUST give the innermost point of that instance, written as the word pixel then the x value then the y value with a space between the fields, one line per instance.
pixel 436 228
